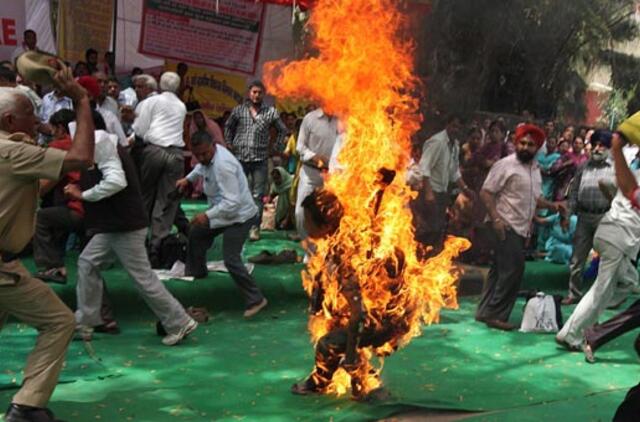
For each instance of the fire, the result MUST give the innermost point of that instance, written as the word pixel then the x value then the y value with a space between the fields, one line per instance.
pixel 363 73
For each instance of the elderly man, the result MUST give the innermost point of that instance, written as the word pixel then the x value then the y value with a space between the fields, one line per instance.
pixel 617 240
pixel 511 193
pixel 246 132
pixel 231 213
pixel 590 197
pixel 27 298
pixel 159 122
pixel 440 167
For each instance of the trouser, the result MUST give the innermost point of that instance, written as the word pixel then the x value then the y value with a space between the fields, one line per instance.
pixel 233 238
pixel 601 334
pixel 309 180
pixel 160 170
pixel 615 275
pixel 505 276
pixel 331 349
pixel 432 223
pixel 582 244
pixel 129 248
pixel 629 409
pixel 53 226
pixel 34 303
pixel 257 173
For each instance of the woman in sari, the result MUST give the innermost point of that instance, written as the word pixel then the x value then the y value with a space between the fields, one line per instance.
pixel 281 186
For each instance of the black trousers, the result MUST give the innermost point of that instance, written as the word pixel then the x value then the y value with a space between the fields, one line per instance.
pixel 233 238
pixel 53 226
pixel 331 349
pixel 505 277
pixel 629 409
pixel 601 334
pixel 160 169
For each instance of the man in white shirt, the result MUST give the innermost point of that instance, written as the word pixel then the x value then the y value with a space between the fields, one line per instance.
pixel 231 214
pixel 104 101
pixel 617 240
pixel 117 223
pixel 92 85
pixel 159 122
pixel 440 167
pixel 29 42
pixel 316 139
pixel 52 102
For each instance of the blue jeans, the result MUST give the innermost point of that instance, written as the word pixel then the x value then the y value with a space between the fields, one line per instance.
pixel 257 173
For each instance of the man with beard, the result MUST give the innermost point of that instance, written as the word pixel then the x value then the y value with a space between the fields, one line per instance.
pixel 617 241
pixel 590 197
pixel 246 132
pixel 511 193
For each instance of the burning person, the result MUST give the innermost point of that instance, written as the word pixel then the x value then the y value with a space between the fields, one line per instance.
pixel 341 346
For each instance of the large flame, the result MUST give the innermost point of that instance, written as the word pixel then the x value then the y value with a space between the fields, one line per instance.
pixel 363 73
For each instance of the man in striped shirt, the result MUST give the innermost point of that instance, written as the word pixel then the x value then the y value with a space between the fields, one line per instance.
pixel 246 132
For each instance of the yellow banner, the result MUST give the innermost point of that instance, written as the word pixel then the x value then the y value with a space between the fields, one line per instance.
pixel 83 25
pixel 215 91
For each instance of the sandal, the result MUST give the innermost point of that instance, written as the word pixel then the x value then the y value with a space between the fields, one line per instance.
pixel 54 275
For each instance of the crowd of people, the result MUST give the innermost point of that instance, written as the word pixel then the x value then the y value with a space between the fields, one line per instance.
pixel 103 162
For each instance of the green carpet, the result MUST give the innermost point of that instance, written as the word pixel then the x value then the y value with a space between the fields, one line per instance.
pixel 233 369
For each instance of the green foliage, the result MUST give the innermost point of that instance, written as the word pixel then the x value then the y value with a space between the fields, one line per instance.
pixel 510 56
pixel 615 108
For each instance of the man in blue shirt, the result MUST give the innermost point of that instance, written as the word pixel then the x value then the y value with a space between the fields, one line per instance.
pixel 231 213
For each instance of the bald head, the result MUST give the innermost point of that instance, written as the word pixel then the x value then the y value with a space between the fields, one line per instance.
pixel 16 112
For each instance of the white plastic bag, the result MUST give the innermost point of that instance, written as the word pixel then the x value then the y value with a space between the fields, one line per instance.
pixel 540 315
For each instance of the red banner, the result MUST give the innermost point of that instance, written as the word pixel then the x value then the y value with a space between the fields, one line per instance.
pixel 224 34
pixel 11 27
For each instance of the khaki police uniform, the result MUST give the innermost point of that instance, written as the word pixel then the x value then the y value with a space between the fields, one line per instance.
pixel 21 295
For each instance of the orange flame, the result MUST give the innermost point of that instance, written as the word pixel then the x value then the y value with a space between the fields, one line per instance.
pixel 364 74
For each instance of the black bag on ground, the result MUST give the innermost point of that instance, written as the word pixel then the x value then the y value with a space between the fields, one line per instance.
pixel 173 248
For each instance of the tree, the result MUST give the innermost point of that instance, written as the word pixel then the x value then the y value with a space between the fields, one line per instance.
pixel 510 56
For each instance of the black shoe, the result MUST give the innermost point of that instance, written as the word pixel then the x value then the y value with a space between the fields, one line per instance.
pixel 499 325
pixel 53 275
pixel 19 413
pixel 304 388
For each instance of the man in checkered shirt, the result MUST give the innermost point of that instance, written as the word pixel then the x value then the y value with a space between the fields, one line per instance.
pixel 590 196
pixel 247 134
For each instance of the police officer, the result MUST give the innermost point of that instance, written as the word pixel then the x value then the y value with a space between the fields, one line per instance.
pixel 28 299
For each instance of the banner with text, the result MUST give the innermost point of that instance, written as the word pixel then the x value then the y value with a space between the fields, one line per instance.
pixel 224 34
pixel 215 91
pixel 83 26
pixel 11 27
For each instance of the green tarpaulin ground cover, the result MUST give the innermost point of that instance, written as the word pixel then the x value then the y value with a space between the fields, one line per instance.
pixel 232 369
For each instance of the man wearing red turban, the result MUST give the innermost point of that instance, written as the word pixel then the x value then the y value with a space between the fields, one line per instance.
pixel 511 193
